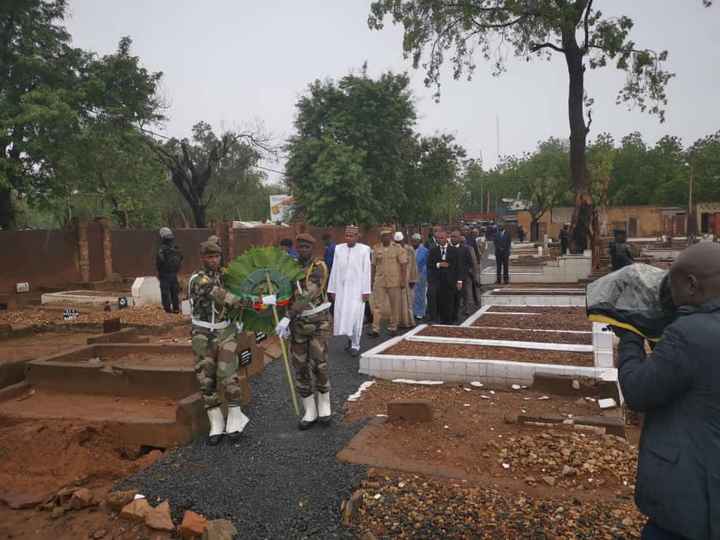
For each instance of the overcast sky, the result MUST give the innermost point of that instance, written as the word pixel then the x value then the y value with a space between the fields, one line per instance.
pixel 236 62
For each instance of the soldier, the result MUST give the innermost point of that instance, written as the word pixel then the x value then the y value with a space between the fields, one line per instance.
pixel 308 324
pixel 389 265
pixel 215 346
pixel 168 261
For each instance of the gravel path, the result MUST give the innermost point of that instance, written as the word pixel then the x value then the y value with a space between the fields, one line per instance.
pixel 277 482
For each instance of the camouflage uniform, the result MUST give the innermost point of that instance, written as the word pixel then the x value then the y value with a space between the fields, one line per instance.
pixel 310 329
pixel 214 339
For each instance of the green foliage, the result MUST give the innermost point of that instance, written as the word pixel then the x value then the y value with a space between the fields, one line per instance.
pixel 631 173
pixel 247 277
pixel 528 30
pixel 433 181
pixel 356 159
pixel 69 120
pixel 498 29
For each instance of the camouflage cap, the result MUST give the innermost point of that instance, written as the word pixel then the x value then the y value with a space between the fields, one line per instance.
pixel 210 248
pixel 305 238
pixel 385 230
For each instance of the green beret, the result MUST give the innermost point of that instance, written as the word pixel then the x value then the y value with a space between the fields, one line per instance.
pixel 305 238
pixel 210 248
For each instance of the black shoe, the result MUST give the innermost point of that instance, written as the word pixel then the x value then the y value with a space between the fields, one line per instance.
pixel 348 345
pixel 498 282
pixel 325 420
pixel 373 334
pixel 419 318
pixel 214 440
pixel 176 311
pixel 305 425
pixel 354 353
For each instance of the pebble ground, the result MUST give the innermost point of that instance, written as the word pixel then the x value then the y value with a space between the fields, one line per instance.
pixel 277 482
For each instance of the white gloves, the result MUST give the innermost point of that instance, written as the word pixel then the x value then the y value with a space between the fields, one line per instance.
pixel 283 328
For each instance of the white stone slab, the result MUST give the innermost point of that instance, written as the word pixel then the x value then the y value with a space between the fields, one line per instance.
pixel 567 347
pixel 146 291
pixel 86 298
pixel 474 317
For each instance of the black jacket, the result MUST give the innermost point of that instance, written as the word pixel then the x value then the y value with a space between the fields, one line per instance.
pixel 503 243
pixel 168 260
pixel 678 387
pixel 466 261
pixel 620 255
pixel 444 276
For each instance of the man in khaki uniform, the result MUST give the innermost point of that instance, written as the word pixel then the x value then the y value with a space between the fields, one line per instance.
pixel 389 266
pixel 407 319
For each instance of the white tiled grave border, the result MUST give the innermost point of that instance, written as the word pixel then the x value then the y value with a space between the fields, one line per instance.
pixel 502 372
pixel 560 299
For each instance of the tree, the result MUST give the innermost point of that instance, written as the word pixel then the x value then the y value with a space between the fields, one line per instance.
pixel 535 28
pixel 192 164
pixel 543 178
pixel 704 158
pixel 55 100
pixel 601 160
pixel 349 156
pixel 631 171
pixel 433 181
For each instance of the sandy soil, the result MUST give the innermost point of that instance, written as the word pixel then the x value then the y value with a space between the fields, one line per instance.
pixel 507 334
pixel 560 319
pixel 448 350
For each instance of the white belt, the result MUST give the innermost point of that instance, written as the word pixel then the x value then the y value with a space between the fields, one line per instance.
pixel 316 310
pixel 215 326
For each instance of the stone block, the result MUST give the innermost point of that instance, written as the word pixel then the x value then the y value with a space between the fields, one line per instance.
pixel 410 410
pixel 159 518
pixel 193 526
pixel 116 500
pixel 220 529
pixel 146 291
pixel 136 510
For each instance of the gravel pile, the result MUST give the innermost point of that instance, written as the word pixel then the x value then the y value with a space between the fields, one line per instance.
pixel 277 482
pixel 405 506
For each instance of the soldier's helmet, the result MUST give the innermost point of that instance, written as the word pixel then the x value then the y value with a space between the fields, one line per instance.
pixel 166 233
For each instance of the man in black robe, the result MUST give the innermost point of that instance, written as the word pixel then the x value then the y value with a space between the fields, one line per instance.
pixel 444 269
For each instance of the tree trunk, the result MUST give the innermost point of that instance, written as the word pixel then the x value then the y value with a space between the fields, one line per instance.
pixel 582 214
pixel 198 211
pixel 7 212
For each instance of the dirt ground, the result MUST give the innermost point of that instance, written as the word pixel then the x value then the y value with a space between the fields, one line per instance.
pixel 506 334
pixel 40 344
pixel 474 473
pixel 451 350
pixel 146 316
pixel 40 457
pixel 560 319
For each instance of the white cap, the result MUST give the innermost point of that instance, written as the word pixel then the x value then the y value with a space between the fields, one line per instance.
pixel 416 236
pixel 398 237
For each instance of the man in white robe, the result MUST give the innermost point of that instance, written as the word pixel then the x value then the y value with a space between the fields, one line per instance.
pixel 350 288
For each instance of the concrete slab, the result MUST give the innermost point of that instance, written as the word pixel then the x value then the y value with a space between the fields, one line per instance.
pixel 83 298
pixel 146 291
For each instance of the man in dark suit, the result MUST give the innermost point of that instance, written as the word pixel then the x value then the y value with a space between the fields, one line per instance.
pixel 503 244
pixel 678 388
pixel 444 279
pixel 467 274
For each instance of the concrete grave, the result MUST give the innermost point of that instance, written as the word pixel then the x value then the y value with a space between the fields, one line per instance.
pixel 146 291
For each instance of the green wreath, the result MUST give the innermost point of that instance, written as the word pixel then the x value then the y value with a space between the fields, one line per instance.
pixel 259 272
